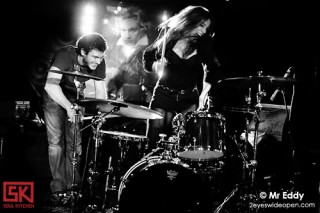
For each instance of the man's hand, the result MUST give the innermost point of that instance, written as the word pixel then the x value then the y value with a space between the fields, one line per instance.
pixel 72 110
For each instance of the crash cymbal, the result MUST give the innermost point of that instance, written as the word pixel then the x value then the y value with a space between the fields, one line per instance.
pixel 125 109
pixel 253 81
pixel 76 74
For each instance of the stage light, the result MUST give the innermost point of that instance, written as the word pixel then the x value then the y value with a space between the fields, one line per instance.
pixel 105 21
pixel 165 16
pixel 128 50
pixel 88 19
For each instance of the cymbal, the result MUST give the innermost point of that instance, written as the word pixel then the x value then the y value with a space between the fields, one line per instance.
pixel 245 110
pixel 91 117
pixel 123 134
pixel 125 109
pixel 76 74
pixel 251 110
pixel 255 80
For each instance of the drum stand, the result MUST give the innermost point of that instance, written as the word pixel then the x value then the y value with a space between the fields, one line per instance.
pixel 74 195
pixel 98 121
pixel 249 194
pixel 296 171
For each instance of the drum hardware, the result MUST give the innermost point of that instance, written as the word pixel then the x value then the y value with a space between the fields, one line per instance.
pixel 76 74
pixel 152 153
pixel 96 124
pixel 106 188
pixel 169 146
pixel 112 172
pixel 255 81
pixel 125 109
pixel 73 194
pixel 231 194
pixel 248 191
pixel 260 94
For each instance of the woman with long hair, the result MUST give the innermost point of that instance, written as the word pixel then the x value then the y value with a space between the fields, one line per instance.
pixel 184 56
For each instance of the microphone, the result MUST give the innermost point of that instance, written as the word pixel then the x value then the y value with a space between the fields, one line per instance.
pixel 286 75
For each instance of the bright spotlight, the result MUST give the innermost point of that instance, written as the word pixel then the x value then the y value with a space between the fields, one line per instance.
pixel 105 21
pixel 165 16
pixel 88 19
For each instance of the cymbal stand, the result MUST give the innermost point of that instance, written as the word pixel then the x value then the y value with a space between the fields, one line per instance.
pixel 74 163
pixel 248 198
pixel 245 155
pixel 230 195
pixel 98 121
pixel 292 146
pixel 252 195
pixel 260 94
pixel 92 171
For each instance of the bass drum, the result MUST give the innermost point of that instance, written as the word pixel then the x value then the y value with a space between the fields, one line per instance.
pixel 157 186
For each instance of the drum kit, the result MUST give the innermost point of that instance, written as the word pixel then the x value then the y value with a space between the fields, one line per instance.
pixel 173 177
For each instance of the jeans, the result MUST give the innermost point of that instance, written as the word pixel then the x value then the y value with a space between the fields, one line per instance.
pixel 60 135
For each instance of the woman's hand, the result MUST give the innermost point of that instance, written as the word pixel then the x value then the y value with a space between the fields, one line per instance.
pixel 158 66
pixel 202 101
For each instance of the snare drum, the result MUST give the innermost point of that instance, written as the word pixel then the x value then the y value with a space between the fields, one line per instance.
pixel 157 185
pixel 204 137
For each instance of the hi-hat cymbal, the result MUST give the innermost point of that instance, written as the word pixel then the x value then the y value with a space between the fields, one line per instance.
pixel 253 81
pixel 76 74
pixel 125 109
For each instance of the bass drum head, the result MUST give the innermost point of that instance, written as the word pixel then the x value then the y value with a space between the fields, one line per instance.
pixel 164 187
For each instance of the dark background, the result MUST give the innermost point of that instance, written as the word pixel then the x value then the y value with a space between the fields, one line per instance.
pixel 251 36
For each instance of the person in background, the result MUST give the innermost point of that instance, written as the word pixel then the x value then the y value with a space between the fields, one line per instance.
pixel 127 80
pixel 186 67
pixel 60 92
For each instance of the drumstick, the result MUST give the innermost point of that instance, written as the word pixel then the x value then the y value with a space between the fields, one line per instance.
pixel 164 44
pixel 164 18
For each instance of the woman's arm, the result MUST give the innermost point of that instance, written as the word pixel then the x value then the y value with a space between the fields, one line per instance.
pixel 204 94
pixel 148 58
